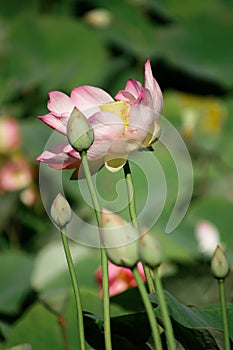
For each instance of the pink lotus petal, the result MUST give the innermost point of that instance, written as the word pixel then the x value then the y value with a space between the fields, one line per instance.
pixel 58 124
pixel 106 125
pixel 59 161
pixel 131 92
pixel 125 96
pixel 141 120
pixel 56 158
pixel 120 278
pixel 145 99
pixel 152 85
pixel 121 147
pixel 60 104
pixel 85 97
pixel 134 87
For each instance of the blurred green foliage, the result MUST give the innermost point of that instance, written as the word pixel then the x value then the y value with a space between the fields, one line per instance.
pixel 61 44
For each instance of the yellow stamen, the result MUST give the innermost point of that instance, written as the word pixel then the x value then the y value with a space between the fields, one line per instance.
pixel 121 108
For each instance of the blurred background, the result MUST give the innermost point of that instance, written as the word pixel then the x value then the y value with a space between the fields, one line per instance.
pixel 61 44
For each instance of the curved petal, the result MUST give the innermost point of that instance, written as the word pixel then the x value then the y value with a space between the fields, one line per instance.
pixel 131 92
pixel 145 99
pixel 153 134
pixel 56 123
pixel 152 85
pixel 57 159
pixel 85 97
pixel 119 148
pixel 60 104
pixel 106 126
pixel 114 165
pixel 125 96
pixel 140 123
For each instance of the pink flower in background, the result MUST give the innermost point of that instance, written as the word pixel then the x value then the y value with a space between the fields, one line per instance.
pixel 15 174
pixel 121 125
pixel 9 134
pixel 120 278
pixel 208 236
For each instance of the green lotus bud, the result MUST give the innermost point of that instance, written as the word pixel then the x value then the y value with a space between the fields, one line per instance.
pixel 60 211
pixel 79 132
pixel 220 267
pixel 150 251
pixel 120 240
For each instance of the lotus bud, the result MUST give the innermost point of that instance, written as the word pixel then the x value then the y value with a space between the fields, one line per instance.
pixel 219 264
pixel 150 251
pixel 120 240
pixel 79 132
pixel 60 211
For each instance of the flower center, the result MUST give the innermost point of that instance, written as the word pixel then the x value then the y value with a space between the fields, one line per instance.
pixel 121 108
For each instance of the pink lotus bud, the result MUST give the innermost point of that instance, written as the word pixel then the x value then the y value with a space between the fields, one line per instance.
pixel 219 264
pixel 9 135
pixel 79 132
pixel 60 211
pixel 150 250
pixel 120 240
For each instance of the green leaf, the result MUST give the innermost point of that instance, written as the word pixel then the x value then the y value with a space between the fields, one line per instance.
pixel 129 332
pixel 203 326
pixel 129 29
pixel 21 347
pixel 37 327
pixel 15 275
pixel 191 46
pixel 177 10
pixel 55 58
pixel 129 301
pixel 23 6
pixel 47 276
pixel 41 328
pixel 10 202
pixel 196 277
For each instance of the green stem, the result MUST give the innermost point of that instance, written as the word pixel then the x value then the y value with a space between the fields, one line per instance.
pixel 133 216
pixel 149 310
pixel 75 289
pixel 164 311
pixel 221 286
pixel 104 260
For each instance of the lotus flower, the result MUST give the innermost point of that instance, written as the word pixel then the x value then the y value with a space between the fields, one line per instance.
pixel 121 125
pixel 15 174
pixel 120 278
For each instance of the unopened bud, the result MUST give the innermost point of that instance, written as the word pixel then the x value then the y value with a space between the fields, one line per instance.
pixel 120 240
pixel 60 211
pixel 150 251
pixel 219 264
pixel 79 132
